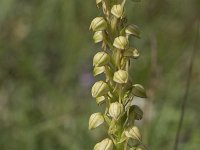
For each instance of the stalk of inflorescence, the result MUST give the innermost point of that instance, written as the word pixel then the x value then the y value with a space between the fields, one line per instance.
pixel 116 92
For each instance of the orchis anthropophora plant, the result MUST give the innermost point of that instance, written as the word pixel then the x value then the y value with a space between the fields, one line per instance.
pixel 116 92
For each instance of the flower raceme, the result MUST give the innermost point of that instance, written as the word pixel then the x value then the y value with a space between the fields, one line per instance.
pixel 116 92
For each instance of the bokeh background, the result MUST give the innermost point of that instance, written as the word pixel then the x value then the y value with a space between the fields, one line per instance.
pixel 46 55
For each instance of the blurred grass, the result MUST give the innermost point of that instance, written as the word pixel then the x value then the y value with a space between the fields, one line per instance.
pixel 45 72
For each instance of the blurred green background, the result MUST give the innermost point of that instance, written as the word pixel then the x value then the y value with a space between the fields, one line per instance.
pixel 46 55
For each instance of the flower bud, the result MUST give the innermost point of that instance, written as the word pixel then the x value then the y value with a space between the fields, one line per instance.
pixel 139 91
pixel 133 30
pixel 100 99
pixel 134 133
pixel 121 42
pixel 98 70
pixel 101 59
pixel 120 76
pixel 116 110
pixel 95 120
pixel 98 24
pixel 136 112
pixel 98 36
pixel 132 53
pixel 117 11
pixel 106 144
pixel 100 88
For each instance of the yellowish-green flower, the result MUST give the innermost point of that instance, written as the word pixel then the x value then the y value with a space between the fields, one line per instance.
pixel 121 42
pixel 117 10
pixel 139 91
pixel 121 76
pixel 106 144
pixel 115 90
pixel 116 110
pixel 133 30
pixel 95 120
pixel 98 24
pixel 101 59
pixel 98 36
pixel 131 53
pixel 100 99
pixel 133 132
pixel 100 88
pixel 98 70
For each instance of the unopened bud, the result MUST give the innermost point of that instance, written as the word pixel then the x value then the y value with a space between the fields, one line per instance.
pixel 95 120
pixel 139 91
pixel 98 24
pixel 116 110
pixel 98 36
pixel 121 42
pixel 132 53
pixel 134 133
pixel 101 59
pixel 117 11
pixel 120 76
pixel 133 30
pixel 106 144
pixel 100 88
